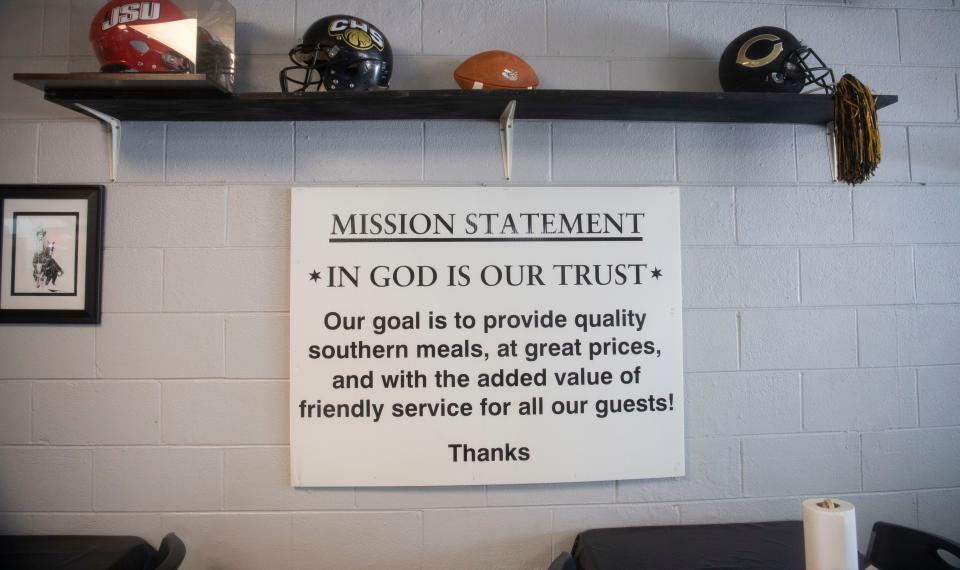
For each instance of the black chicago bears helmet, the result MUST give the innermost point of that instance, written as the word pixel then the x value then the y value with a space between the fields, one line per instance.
pixel 339 53
pixel 772 60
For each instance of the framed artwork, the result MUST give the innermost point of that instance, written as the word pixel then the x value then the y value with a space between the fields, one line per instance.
pixel 51 248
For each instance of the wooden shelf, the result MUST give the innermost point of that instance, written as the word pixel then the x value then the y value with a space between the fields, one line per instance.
pixel 119 82
pixel 184 97
pixel 117 97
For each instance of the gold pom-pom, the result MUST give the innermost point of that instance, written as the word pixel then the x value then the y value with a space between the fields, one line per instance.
pixel 856 130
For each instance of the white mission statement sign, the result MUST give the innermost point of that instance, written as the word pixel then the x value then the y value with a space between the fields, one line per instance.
pixel 459 336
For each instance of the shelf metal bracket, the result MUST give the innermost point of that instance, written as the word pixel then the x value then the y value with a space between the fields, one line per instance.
pixel 506 137
pixel 113 129
pixel 832 150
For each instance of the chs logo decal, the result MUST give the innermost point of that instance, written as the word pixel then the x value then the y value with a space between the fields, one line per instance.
pixel 510 74
pixel 131 13
pixel 357 34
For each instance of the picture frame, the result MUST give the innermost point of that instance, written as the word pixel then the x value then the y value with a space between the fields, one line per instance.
pixel 51 253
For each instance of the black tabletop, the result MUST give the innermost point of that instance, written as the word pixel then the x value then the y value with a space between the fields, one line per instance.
pixel 76 553
pixel 744 546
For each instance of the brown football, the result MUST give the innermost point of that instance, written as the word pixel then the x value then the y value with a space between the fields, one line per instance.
pixel 495 70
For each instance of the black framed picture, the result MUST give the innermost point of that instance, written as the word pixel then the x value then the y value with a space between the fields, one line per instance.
pixel 51 251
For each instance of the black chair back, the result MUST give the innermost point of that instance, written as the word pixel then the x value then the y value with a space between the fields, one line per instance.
pixel 172 552
pixel 895 547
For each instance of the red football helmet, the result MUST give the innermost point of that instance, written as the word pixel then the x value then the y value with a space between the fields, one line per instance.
pixel 149 37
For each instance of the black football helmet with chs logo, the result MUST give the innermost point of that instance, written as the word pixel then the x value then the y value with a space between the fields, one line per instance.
pixel 770 59
pixel 339 53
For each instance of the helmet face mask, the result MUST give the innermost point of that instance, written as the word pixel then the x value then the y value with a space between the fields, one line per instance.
pixel 818 74
pixel 309 65
pixel 339 53
pixel 769 59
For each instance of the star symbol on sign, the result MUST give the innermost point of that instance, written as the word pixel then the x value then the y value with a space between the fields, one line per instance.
pixel 314 275
pixel 656 273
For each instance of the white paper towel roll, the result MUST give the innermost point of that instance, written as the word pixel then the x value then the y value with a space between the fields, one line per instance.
pixel 829 534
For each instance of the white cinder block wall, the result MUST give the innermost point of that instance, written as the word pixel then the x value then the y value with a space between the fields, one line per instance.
pixel 822 324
